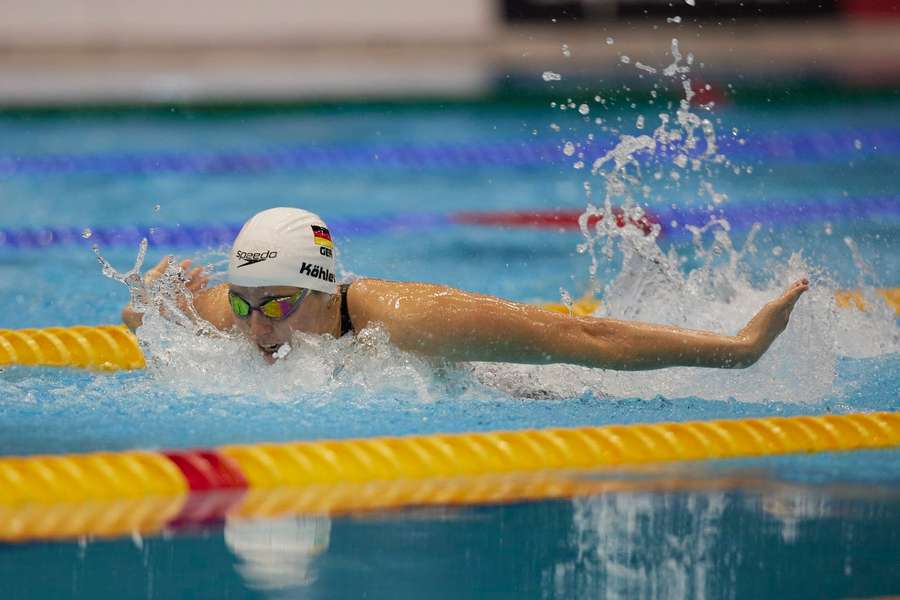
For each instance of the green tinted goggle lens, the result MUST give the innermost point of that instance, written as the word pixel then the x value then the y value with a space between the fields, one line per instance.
pixel 239 306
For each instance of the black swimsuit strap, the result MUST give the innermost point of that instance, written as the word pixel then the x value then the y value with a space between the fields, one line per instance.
pixel 346 323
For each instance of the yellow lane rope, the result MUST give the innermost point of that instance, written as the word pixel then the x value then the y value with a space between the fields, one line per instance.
pixel 45 497
pixel 113 347
pixel 588 305
pixel 104 347
pixel 456 455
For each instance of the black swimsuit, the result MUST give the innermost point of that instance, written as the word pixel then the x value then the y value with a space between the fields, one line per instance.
pixel 346 323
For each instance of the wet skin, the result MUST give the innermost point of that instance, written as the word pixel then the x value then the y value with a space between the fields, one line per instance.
pixel 456 325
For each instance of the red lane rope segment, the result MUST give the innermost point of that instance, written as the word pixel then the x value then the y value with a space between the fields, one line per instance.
pixel 549 219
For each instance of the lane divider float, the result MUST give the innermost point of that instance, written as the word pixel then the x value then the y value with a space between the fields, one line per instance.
pixel 114 493
pixel 808 145
pixel 774 211
pixel 101 348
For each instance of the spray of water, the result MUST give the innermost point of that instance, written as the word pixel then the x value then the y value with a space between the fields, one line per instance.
pixel 716 295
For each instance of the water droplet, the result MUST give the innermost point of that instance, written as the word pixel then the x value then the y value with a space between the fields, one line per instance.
pixel 610 41
pixel 584 109
pixel 828 228
pixel 551 76
pixel 554 126
pixel 87 233
pixel 777 250
pixel 569 149
pixel 579 164
pixel 857 144
pixel 625 59
pixel 689 2
pixel 640 122
pixel 565 50
pixel 156 207
pixel 673 20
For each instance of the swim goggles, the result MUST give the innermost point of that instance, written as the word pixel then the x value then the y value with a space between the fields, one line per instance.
pixel 274 308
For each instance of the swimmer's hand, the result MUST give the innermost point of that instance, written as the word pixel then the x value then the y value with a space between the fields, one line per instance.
pixel 194 281
pixel 770 321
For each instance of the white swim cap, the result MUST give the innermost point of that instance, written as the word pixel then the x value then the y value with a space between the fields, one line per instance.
pixel 283 246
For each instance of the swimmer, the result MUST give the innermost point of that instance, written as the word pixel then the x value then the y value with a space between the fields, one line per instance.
pixel 281 279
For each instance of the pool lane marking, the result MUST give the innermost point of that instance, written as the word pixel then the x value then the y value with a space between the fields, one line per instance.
pixel 338 476
pixel 797 146
pixel 773 212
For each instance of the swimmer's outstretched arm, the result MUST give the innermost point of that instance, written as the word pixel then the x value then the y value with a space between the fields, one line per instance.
pixel 444 322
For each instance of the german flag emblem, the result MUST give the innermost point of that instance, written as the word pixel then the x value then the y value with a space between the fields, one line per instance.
pixel 322 237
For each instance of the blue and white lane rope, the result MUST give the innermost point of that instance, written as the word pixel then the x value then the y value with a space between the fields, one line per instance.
pixel 807 145
pixel 774 213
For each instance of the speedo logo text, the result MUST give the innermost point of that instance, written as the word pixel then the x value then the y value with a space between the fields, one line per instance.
pixel 316 271
pixel 251 258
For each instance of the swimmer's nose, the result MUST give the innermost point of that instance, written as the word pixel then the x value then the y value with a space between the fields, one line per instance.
pixel 259 325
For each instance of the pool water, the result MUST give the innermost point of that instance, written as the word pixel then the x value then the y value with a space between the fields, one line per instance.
pixel 816 529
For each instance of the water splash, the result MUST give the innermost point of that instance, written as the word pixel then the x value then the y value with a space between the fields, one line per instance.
pixel 716 294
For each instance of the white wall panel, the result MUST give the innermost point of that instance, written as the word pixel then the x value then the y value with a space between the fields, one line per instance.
pixel 125 23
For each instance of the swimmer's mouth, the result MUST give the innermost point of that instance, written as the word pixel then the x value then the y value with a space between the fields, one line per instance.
pixel 269 348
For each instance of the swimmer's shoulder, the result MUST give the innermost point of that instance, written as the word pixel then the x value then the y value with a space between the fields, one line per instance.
pixel 362 297
pixel 383 300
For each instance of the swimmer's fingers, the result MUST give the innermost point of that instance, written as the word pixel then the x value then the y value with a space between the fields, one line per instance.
pixel 161 266
pixel 196 279
pixel 156 272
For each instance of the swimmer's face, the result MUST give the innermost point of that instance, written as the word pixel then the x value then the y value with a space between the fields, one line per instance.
pixel 313 315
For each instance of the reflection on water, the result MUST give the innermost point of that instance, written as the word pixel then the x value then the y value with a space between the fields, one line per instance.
pixel 783 541
pixel 277 554
pixel 642 546
pixel 727 534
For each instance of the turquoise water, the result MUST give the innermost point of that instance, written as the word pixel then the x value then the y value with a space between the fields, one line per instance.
pixel 810 536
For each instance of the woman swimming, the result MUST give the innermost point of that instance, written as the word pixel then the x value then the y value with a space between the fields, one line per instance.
pixel 281 279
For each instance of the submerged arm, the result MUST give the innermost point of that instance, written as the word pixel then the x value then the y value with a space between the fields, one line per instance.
pixel 457 325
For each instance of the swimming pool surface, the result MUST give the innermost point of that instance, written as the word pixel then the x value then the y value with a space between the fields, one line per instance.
pixel 822 182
